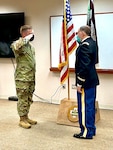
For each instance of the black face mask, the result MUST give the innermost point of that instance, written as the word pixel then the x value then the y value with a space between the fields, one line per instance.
pixel 32 38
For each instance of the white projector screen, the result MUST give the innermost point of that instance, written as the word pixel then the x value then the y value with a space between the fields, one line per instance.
pixel 104 26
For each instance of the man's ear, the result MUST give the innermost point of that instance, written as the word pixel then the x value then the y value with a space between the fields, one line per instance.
pixel 84 34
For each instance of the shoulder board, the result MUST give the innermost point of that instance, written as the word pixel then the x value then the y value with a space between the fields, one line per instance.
pixel 85 43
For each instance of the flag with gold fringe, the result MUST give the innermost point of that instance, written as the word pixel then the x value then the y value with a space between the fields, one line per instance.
pixel 68 42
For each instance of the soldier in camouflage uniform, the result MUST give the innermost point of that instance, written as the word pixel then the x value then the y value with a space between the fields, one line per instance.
pixel 24 74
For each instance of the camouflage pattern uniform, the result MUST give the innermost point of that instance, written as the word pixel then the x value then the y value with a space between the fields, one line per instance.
pixel 24 74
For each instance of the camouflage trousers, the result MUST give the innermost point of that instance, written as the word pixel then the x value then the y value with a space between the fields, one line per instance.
pixel 24 91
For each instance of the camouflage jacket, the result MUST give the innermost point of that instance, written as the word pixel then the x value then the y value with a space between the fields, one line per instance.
pixel 25 60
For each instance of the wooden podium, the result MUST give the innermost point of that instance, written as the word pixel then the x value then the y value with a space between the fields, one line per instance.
pixel 68 112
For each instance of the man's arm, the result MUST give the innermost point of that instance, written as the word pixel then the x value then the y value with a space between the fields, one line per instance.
pixel 19 43
pixel 84 65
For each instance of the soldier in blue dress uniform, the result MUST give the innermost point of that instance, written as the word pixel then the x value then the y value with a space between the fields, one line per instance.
pixel 86 82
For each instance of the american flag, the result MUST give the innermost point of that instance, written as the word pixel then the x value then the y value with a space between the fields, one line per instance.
pixel 68 42
pixel 91 23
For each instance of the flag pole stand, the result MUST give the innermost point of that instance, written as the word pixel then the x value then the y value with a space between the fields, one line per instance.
pixel 68 112
pixel 68 83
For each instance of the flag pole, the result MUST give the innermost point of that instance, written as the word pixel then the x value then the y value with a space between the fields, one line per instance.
pixel 68 82
pixel 66 48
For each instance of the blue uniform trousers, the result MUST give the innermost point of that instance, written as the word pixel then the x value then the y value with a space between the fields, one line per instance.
pixel 86 111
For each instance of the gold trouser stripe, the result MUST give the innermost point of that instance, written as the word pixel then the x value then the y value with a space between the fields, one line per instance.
pixel 83 113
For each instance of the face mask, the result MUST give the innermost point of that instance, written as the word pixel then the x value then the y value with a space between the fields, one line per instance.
pixel 78 39
pixel 32 38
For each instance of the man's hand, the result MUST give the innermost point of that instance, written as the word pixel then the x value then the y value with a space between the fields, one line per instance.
pixel 28 37
pixel 79 89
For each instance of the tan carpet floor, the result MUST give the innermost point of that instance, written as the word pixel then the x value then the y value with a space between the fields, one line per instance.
pixel 47 134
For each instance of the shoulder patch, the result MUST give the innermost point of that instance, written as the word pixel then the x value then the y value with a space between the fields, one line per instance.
pixel 85 43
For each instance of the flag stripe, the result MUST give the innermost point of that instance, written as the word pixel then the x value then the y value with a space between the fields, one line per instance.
pixel 72 36
pixel 70 28
pixel 64 73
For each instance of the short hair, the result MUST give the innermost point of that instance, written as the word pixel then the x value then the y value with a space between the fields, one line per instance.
pixel 24 28
pixel 86 29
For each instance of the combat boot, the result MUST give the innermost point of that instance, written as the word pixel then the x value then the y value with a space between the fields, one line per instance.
pixel 24 123
pixel 32 122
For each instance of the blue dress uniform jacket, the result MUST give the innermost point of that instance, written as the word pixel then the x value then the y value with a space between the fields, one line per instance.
pixel 86 74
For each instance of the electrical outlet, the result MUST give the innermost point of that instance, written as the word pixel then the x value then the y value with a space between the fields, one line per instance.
pixel 64 86
pixel 73 86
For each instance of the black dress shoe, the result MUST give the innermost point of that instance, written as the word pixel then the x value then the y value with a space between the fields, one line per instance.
pixel 94 133
pixel 77 135
pixel 80 136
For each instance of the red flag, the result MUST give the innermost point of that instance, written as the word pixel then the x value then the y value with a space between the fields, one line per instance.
pixel 68 41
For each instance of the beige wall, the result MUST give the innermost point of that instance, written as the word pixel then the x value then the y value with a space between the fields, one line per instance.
pixel 37 14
